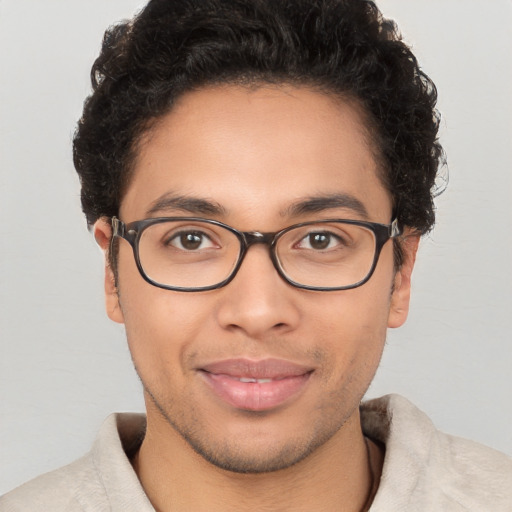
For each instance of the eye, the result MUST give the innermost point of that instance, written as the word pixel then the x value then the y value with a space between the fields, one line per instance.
pixel 320 241
pixel 190 241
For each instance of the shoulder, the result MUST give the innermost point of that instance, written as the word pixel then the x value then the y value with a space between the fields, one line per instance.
pixel 426 469
pixel 473 475
pixel 102 480
pixel 59 490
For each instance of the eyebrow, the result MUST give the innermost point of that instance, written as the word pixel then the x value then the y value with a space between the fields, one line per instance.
pixel 187 204
pixel 321 203
pixel 201 206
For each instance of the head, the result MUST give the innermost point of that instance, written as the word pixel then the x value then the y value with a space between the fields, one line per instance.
pixel 251 107
pixel 342 48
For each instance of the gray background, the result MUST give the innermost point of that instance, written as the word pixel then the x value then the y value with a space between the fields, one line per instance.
pixel 64 366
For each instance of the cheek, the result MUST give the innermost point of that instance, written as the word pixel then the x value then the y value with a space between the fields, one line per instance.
pixel 355 343
pixel 351 326
pixel 160 320
pixel 162 333
pixel 160 324
pixel 360 313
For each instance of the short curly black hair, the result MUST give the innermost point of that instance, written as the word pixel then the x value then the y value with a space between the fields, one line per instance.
pixel 342 47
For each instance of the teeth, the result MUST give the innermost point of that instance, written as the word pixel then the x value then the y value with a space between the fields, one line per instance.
pixel 259 381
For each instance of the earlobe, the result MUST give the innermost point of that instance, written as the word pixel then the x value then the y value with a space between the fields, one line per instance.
pixel 102 234
pixel 400 298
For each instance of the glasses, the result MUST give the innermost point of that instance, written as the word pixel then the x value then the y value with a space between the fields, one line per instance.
pixel 191 254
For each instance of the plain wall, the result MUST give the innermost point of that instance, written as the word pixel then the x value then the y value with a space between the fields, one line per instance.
pixel 64 366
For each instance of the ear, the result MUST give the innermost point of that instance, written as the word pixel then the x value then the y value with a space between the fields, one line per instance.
pixel 103 233
pixel 402 286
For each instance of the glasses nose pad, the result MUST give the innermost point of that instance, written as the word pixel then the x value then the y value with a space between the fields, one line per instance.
pixel 251 238
pixel 269 239
pixel 256 237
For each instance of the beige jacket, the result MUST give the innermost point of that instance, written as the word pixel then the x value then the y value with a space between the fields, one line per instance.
pixel 424 469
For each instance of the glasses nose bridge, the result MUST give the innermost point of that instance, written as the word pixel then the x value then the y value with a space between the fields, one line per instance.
pixel 250 238
pixel 256 237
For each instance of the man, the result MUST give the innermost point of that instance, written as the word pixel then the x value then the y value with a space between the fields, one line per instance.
pixel 258 174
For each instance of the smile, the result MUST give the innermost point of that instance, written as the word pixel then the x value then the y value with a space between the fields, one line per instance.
pixel 256 385
pixel 248 379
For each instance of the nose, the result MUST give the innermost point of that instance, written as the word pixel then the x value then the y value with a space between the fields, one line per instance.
pixel 258 302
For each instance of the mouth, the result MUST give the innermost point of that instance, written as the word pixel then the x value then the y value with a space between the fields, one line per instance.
pixel 256 385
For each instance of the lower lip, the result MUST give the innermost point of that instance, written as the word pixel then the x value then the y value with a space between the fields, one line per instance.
pixel 255 396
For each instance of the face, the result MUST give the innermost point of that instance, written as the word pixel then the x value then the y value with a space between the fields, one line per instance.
pixel 257 375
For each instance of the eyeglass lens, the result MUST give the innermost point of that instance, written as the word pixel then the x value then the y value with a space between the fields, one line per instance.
pixel 195 254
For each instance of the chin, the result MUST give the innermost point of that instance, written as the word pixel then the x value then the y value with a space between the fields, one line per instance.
pixel 250 461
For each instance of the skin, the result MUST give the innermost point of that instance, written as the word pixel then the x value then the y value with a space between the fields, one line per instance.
pixel 256 152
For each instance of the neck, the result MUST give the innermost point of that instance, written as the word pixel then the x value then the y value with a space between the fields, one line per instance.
pixel 341 475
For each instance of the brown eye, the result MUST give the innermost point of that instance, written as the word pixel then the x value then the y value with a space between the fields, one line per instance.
pixel 319 240
pixel 190 241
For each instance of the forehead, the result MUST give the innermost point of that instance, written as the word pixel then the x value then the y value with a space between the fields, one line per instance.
pixel 256 150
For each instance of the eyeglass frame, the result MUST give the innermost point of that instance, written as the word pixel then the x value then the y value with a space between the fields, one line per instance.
pixel 132 233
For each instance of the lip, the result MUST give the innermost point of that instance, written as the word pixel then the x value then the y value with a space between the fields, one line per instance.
pixel 266 384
